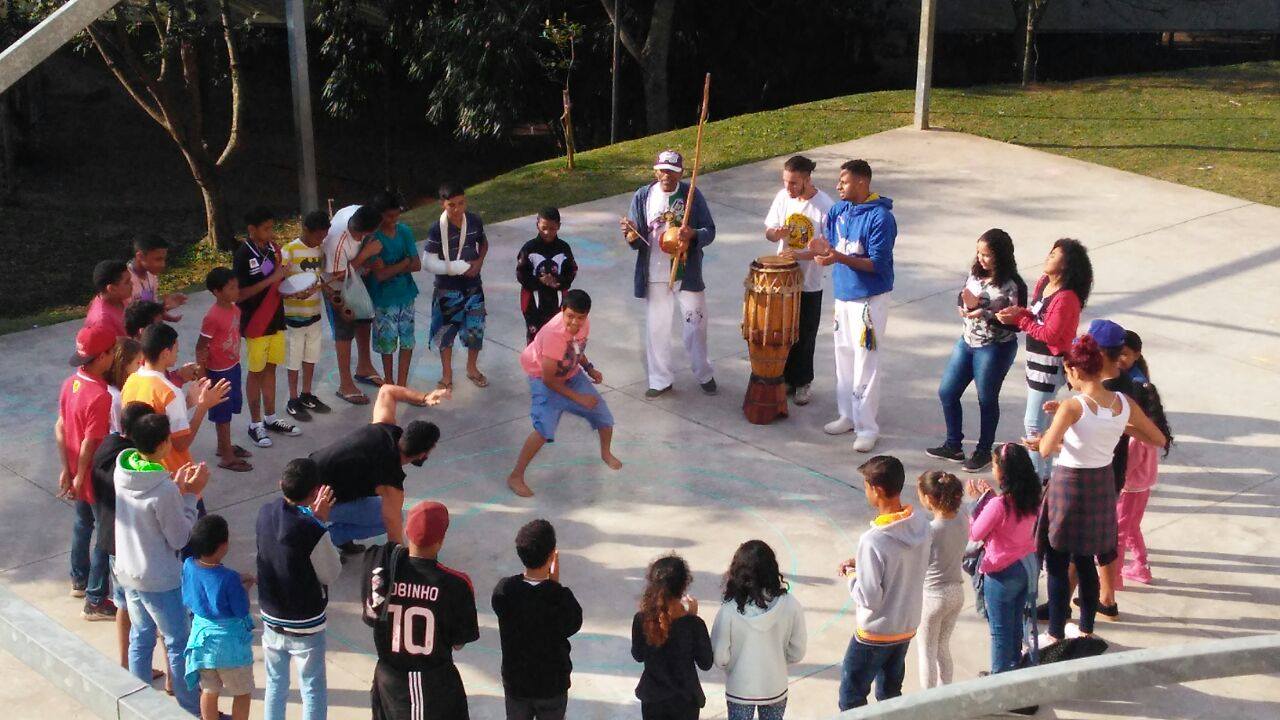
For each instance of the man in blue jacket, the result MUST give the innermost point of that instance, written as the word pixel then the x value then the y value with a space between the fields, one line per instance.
pixel 860 232
pixel 653 208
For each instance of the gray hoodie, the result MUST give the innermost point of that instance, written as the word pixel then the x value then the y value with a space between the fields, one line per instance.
pixel 755 646
pixel 153 523
pixel 888 581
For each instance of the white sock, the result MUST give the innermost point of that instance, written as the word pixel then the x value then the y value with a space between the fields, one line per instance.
pixel 268 419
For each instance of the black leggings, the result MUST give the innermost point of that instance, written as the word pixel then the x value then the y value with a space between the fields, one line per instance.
pixel 1056 567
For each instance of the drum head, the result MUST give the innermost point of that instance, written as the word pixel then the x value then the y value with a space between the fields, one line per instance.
pixel 774 261
pixel 297 283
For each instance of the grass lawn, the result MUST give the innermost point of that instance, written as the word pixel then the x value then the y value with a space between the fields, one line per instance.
pixel 1215 128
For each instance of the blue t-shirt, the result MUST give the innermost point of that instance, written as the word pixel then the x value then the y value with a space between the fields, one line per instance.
pixel 213 593
pixel 401 289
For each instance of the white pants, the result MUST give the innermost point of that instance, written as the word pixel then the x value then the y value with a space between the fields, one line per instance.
pixel 857 368
pixel 660 303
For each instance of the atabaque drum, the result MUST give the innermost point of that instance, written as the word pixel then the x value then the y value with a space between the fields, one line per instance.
pixel 771 313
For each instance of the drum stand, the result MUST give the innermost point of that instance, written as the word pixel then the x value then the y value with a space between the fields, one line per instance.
pixel 766 399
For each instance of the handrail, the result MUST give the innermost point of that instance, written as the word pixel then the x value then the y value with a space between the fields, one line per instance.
pixel 1086 678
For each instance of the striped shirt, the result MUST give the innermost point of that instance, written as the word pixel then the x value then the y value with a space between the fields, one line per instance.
pixel 298 258
pixel 1044 368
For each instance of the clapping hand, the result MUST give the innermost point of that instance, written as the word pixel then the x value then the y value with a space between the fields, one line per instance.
pixel 977 487
pixel 549 280
pixel 1051 406
pixel 1009 315
pixel 323 503
pixel 209 395
pixel 192 478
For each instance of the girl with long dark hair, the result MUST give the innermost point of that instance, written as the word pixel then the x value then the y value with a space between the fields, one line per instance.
pixel 1050 323
pixel 1005 524
pixel 985 350
pixel 1080 499
pixel 1142 473
pixel 758 631
pixel 670 639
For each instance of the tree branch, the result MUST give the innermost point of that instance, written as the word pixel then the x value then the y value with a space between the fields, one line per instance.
pixel 194 109
pixel 628 40
pixel 136 87
pixel 237 98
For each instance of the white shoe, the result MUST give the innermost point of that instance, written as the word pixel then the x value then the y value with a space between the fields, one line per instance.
pixel 839 426
pixel 1072 630
pixel 802 395
pixel 865 443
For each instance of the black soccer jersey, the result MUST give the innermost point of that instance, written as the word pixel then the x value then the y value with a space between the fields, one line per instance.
pixel 419 609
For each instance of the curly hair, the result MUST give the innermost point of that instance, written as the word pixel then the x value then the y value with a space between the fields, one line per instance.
pixel 944 490
pixel 1077 273
pixel 1148 398
pixel 667 579
pixel 753 576
pixel 1006 265
pixel 1084 355
pixel 1019 480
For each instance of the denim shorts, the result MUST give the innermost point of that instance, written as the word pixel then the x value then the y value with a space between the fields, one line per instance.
pixel 547 405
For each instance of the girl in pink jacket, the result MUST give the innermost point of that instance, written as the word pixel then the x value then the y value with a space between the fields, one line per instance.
pixel 1140 477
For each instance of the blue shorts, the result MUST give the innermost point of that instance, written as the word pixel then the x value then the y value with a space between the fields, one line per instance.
pixel 547 405
pixel 222 412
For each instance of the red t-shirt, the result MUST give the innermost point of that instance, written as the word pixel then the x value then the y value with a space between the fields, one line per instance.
pixel 222 326
pixel 104 313
pixel 85 408
pixel 554 341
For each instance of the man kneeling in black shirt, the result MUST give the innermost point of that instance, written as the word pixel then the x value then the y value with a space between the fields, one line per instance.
pixel 420 612
pixel 536 617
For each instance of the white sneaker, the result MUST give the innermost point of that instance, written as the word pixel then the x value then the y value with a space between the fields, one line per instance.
pixel 865 443
pixel 802 395
pixel 839 426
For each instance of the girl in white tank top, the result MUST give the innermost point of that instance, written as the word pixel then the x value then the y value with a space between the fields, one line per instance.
pixel 1090 441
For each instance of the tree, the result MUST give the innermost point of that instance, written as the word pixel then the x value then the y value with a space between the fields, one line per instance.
pixel 652 54
pixel 162 52
pixel 1028 14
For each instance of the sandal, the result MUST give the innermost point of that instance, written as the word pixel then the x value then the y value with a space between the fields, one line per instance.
pixel 237 465
pixel 374 380
pixel 156 674
pixel 479 379
pixel 355 398
pixel 442 385
pixel 241 452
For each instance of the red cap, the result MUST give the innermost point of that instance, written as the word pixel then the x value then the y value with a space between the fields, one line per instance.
pixel 92 341
pixel 428 521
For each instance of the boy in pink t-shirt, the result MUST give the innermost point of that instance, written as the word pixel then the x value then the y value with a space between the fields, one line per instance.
pixel 555 363
pixel 113 285
pixel 218 350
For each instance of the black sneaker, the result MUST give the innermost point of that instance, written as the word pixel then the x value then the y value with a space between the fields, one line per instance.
pixel 1042 612
pixel 1028 710
pixel 1110 612
pixel 313 403
pixel 709 387
pixel 977 462
pixel 105 610
pixel 654 392
pixel 77 588
pixel 284 427
pixel 946 452
pixel 296 409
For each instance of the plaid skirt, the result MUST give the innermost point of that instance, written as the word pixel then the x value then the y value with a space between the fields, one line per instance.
pixel 1080 510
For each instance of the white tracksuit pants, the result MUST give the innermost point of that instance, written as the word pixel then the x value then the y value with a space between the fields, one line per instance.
pixel 660 301
pixel 857 368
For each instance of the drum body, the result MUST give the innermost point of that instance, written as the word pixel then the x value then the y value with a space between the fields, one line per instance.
pixel 771 313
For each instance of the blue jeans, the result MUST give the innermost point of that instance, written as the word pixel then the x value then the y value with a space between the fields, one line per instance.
pixel 152 612
pixel 986 366
pixel 88 562
pixel 863 663
pixel 278 650
pixel 766 712
pixel 356 520
pixel 1005 594
pixel 1036 420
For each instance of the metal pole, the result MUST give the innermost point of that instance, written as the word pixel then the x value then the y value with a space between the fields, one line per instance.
pixel 300 75
pixel 44 39
pixel 613 100
pixel 924 64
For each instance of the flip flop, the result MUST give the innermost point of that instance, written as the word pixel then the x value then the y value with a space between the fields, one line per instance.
pixel 478 379
pixel 156 674
pixel 355 398
pixel 238 465
pixel 241 452
pixel 442 385
pixel 374 380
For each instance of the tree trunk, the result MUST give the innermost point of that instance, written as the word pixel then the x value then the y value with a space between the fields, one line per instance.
pixel 657 51
pixel 217 219
pixel 1028 44
pixel 657 111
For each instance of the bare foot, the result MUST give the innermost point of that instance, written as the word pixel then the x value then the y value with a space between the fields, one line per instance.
pixel 613 462
pixel 518 486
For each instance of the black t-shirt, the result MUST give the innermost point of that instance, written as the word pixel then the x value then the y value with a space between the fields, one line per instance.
pixel 669 674
pixel 535 622
pixel 356 465
pixel 252 265
pixel 418 609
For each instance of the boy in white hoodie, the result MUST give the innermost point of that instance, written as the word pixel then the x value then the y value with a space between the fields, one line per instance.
pixel 154 515
pixel 886 581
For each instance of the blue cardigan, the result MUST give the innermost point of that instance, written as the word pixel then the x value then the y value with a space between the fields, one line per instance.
pixel 699 217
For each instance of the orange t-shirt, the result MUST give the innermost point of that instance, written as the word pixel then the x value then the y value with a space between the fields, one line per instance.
pixel 154 389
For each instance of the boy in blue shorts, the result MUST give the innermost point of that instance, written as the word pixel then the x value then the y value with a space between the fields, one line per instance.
pixel 561 380
pixel 218 351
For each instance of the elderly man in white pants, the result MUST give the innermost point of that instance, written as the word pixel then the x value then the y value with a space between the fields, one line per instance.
pixel 654 207
pixel 863 231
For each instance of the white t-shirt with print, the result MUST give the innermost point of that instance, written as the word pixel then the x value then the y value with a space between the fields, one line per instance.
pixel 787 211
pixel 659 262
